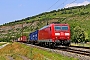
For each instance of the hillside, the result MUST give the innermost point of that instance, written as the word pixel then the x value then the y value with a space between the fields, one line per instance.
pixel 74 16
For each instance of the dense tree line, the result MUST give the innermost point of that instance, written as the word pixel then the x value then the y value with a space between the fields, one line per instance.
pixel 79 35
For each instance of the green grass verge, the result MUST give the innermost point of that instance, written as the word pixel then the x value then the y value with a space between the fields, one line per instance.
pixel 16 49
pixel 47 55
pixel 2 58
pixel 39 54
pixel 81 44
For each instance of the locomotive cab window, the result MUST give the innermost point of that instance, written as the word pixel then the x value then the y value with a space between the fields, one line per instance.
pixel 64 27
pixel 57 27
pixel 61 27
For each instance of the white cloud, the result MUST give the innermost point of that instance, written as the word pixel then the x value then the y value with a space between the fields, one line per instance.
pixel 77 4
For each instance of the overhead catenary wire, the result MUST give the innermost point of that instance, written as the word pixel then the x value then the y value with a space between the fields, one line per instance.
pixel 72 2
pixel 59 5
pixel 53 5
pixel 62 3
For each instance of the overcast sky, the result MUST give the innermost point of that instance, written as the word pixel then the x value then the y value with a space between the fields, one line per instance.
pixel 11 10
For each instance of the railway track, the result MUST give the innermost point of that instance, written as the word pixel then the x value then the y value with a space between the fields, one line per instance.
pixel 81 47
pixel 77 50
pixel 74 49
pixel 82 53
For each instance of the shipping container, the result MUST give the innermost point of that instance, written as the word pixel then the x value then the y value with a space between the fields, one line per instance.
pixel 33 36
pixel 22 39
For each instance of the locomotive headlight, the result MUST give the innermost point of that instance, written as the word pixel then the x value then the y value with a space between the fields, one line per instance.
pixel 57 33
pixel 67 34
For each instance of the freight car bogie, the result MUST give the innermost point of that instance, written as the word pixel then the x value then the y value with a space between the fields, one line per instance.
pixel 52 45
pixel 41 44
pixel 33 42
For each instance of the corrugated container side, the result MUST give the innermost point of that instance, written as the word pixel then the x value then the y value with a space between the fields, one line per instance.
pixel 24 38
pixel 34 35
pixel 30 36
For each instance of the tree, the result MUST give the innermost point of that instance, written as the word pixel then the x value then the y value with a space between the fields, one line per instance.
pixel 79 35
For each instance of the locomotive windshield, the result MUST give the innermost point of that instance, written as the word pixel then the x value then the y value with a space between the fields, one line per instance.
pixel 57 27
pixel 64 27
pixel 61 27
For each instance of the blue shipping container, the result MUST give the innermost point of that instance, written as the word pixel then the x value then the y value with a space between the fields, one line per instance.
pixel 34 35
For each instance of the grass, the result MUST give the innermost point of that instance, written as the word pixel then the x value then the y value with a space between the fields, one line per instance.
pixel 81 44
pixel 15 50
pixel 49 55
pixel 2 58
pixel 16 57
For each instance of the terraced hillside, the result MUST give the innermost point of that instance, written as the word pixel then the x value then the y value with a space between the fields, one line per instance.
pixel 75 16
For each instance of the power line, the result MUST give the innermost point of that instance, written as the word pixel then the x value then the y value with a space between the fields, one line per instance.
pixel 72 2
pixel 62 3
pixel 59 5
pixel 53 5
pixel 68 4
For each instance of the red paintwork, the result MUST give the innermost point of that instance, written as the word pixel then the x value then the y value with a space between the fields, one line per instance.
pixel 45 33
pixel 22 39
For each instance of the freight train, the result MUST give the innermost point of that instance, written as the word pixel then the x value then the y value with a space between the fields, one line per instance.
pixel 51 35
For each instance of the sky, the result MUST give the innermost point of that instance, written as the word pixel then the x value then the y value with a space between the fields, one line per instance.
pixel 11 10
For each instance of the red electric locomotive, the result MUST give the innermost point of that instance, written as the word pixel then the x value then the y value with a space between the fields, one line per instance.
pixel 55 34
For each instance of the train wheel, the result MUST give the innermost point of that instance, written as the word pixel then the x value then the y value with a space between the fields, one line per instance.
pixel 67 43
pixel 33 43
pixel 52 45
pixel 42 44
pixel 46 44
